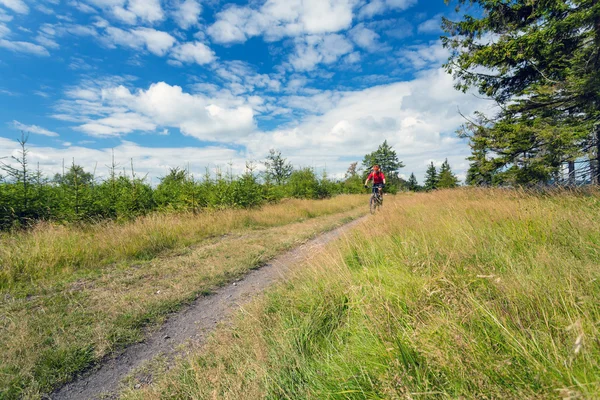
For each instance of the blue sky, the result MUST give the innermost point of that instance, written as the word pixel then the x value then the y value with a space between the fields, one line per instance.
pixel 209 83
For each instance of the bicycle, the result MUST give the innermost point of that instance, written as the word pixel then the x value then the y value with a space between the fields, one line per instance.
pixel 376 200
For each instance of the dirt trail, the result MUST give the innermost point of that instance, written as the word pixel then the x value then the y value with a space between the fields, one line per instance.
pixel 192 324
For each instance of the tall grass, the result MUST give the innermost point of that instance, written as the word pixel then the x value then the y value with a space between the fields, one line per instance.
pixel 52 250
pixel 454 294
pixel 74 295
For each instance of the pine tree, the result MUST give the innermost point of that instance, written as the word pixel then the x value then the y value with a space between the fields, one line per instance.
pixel 446 178
pixel 543 68
pixel 431 178
pixel 387 159
pixel 413 184
pixel 385 156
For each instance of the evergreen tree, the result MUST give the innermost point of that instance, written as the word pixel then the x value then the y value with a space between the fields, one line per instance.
pixel 385 156
pixel 543 67
pixel 413 184
pixel 431 178
pixel 278 170
pixel 387 159
pixel 446 178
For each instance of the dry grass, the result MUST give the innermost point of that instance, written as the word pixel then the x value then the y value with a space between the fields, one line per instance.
pixel 51 251
pixel 455 294
pixel 99 286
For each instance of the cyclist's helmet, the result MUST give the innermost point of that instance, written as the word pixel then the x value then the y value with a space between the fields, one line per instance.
pixel 376 168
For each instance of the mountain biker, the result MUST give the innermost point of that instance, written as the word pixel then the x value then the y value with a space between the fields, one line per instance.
pixel 378 179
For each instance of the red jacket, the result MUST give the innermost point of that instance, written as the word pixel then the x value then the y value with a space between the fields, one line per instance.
pixel 377 177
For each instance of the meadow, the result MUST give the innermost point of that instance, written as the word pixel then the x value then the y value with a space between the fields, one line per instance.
pixel 469 293
pixel 73 294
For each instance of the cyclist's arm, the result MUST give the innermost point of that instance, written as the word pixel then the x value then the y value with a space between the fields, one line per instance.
pixel 368 179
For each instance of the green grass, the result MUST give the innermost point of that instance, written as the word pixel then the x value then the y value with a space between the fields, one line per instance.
pixel 456 294
pixel 95 289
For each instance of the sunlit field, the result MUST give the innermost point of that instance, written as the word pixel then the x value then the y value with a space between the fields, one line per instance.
pixel 454 294
pixel 71 295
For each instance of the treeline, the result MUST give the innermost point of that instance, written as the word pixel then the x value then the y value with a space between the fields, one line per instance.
pixel 76 195
pixel 26 195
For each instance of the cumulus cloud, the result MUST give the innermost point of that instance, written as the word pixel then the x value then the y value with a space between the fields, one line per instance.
pixel 376 7
pixel 193 52
pixel 425 55
pixel 33 129
pixel 17 6
pixel 432 25
pixel 240 77
pixel 156 42
pixel 112 110
pixel 131 11
pixel 417 117
pixel 312 50
pixel 186 13
pixel 276 19
pixel 365 37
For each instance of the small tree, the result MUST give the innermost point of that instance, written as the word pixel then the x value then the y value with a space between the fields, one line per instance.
pixel 413 184
pixel 431 178
pixel 278 170
pixel 353 182
pixel 20 197
pixel 446 178
pixel 303 184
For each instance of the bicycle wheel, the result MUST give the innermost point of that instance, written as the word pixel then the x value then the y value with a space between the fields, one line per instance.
pixel 373 204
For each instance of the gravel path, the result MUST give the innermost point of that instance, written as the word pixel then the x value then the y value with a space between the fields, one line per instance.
pixel 194 323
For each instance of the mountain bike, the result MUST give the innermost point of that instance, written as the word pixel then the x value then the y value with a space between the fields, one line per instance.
pixel 376 200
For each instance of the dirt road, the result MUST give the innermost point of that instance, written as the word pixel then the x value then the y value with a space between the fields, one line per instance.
pixel 192 324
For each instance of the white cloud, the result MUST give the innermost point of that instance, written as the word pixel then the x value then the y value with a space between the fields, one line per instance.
pixel 117 125
pixel 376 7
pixel 276 19
pixel 4 17
pixel 44 9
pixel 115 111
pixel 432 25
pixel 17 6
pixel 82 7
pixel 424 56
pixel 418 118
pixel 124 15
pixel 24 47
pixel 4 30
pixel 47 42
pixel 48 33
pixel 195 52
pixel 365 37
pixel 156 42
pixel 186 13
pixel 131 11
pixel 313 50
pixel 240 77
pixel 33 129
pixel 146 10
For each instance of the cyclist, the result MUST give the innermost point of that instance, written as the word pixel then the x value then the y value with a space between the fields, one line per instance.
pixel 378 180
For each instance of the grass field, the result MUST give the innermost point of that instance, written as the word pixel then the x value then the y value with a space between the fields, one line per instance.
pixel 486 294
pixel 71 295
